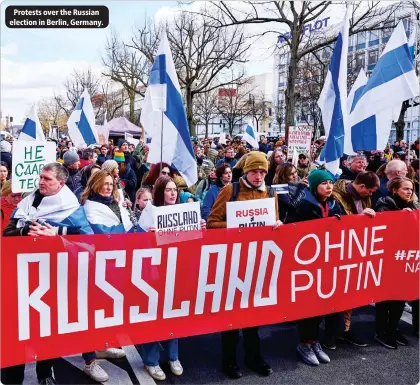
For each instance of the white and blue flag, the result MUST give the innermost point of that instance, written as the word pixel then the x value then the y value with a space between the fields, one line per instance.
pixel 333 101
pixel 250 136
pixel 32 129
pixel 81 123
pixel 393 81
pixel 163 109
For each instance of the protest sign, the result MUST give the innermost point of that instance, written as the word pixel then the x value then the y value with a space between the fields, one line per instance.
pixel 176 218
pixel 29 157
pixel 130 139
pixel 251 213
pixel 103 133
pixel 281 188
pixel 300 139
pixel 64 295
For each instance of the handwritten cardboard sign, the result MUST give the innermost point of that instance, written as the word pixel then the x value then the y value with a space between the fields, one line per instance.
pixel 29 158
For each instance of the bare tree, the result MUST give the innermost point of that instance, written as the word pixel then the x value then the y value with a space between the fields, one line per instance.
pixel 366 16
pixel 233 106
pixel 202 54
pixel 49 112
pixel 128 67
pixel 205 109
pixel 74 85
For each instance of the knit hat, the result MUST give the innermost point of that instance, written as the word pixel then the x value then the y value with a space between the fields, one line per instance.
pixel 5 146
pixel 256 161
pixel 70 157
pixel 109 165
pixel 119 157
pixel 316 177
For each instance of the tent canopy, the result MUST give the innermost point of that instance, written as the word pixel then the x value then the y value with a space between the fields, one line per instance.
pixel 119 126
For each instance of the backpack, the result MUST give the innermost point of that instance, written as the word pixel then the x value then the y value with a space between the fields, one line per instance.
pixel 235 192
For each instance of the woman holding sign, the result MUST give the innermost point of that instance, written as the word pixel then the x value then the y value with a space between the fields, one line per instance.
pixel 316 203
pixel 388 313
pixel 165 193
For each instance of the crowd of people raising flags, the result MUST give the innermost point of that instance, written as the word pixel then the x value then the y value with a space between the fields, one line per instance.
pixel 104 190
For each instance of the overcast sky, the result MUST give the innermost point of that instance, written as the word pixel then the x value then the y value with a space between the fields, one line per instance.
pixel 35 62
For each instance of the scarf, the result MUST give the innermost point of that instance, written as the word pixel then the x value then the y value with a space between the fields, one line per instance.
pixel 356 198
pixel 101 199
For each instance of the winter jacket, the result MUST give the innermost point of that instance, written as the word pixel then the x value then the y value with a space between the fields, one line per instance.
pixel 7 158
pixel 217 218
pixel 6 212
pixel 345 198
pixel 303 172
pixel 382 191
pixel 74 179
pixel 209 200
pixel 348 174
pixel 290 201
pixel 309 208
pixel 203 187
pixel 230 162
pixel 84 163
pixel 212 155
pixel 129 182
pixel 264 148
pixel 203 169
pixel 395 203
pixel 102 158
pixel 85 175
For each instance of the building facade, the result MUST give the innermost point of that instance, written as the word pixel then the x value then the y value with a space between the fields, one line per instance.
pixel 364 51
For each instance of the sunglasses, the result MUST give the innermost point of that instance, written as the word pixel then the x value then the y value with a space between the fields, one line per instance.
pixel 165 173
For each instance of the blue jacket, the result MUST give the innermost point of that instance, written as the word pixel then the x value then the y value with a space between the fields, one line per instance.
pixel 102 158
pixel 264 148
pixel 289 202
pixel 231 162
pixel 309 208
pixel 209 200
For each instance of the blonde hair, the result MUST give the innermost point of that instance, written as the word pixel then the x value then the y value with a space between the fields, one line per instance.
pixel 95 184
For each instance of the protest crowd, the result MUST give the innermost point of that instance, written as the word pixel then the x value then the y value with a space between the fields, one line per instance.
pixel 105 190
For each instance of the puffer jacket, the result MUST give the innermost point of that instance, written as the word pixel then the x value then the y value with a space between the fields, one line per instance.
pixel 217 218
pixel 345 199
pixel 212 155
pixel 309 208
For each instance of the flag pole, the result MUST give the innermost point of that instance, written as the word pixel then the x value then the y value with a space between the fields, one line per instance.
pixel 161 143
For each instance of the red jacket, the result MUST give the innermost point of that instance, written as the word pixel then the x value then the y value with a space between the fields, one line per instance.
pixel 6 212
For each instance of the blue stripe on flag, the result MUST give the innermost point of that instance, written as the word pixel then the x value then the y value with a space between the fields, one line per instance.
pixel 29 128
pixel 158 71
pixel 250 131
pixel 85 129
pixel 363 135
pixel 175 112
pixel 357 95
pixel 335 143
pixel 391 65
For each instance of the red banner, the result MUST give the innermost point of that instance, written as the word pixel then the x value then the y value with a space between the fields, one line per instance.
pixel 67 295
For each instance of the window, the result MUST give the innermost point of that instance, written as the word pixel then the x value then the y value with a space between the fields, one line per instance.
pixel 360 61
pixel 373 38
pixel 372 59
pixel 350 63
pixel 361 40
pixel 270 112
pixel 269 125
pixel 351 43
